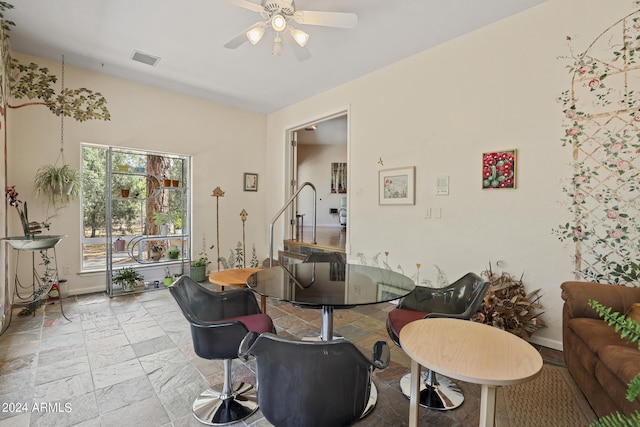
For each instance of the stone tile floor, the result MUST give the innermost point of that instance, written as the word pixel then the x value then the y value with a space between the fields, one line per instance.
pixel 129 361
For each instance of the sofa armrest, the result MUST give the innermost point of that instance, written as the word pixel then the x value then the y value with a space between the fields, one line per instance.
pixel 578 294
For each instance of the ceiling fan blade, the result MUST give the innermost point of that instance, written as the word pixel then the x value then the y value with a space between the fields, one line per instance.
pixel 238 40
pixel 246 4
pixel 301 53
pixel 327 19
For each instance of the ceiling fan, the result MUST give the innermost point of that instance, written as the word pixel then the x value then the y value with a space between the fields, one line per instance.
pixel 279 15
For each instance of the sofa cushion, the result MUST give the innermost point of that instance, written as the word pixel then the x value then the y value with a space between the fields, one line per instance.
pixel 616 367
pixel 633 312
pixel 595 334
pixel 623 362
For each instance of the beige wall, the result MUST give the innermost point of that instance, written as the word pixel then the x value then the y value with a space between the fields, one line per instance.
pixel 224 142
pixel 439 111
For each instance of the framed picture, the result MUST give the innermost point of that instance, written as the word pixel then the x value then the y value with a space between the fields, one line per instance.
pixel 397 186
pixel 499 169
pixel 250 182
pixel 339 178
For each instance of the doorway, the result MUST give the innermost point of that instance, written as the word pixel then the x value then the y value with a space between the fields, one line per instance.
pixel 319 154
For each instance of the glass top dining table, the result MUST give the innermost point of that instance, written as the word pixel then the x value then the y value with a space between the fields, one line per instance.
pixel 330 285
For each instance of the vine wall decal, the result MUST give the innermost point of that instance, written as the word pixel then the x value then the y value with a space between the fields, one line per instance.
pixel 602 128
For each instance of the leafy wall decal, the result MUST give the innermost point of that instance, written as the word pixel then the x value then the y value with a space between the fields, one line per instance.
pixel 35 84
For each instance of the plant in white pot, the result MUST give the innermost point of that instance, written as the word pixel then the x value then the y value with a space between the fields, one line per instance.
pixel 58 184
pixel 162 220
pixel 128 278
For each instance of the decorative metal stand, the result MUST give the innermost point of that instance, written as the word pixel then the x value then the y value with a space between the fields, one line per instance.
pixel 217 193
pixel 243 216
pixel 34 296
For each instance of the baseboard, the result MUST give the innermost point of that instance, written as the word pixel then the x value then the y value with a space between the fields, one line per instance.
pixel 91 290
pixel 546 342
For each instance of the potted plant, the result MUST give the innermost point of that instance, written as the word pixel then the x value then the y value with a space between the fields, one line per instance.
pixel 198 268
pixel 173 253
pixel 177 222
pixel 127 277
pixel 156 252
pixel 57 183
pixel 168 277
pixel 162 220
pixel 30 228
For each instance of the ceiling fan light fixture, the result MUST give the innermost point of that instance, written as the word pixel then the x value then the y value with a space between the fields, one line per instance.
pixel 255 33
pixel 278 22
pixel 277 46
pixel 300 37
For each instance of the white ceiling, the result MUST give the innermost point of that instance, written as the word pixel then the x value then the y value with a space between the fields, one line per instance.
pixel 189 35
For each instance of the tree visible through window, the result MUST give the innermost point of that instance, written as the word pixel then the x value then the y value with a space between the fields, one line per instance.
pixel 127 219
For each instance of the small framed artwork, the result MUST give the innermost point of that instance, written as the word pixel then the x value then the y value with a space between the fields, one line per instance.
pixel 499 169
pixel 339 178
pixel 397 186
pixel 250 182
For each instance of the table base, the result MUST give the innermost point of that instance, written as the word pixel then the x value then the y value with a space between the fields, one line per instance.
pixel 488 406
pixel 439 393
pixel 317 336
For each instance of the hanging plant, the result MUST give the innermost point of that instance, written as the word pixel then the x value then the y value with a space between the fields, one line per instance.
pixel 58 184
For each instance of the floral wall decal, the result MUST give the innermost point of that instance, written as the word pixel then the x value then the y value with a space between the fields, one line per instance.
pixel 602 128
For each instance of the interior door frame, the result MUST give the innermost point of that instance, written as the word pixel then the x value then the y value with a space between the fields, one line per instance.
pixel 291 162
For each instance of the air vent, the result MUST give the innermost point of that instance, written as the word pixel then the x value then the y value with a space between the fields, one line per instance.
pixel 145 58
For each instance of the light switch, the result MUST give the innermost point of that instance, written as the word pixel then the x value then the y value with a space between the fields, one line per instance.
pixel 442 185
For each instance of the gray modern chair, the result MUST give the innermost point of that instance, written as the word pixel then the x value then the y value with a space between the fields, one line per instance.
pixel 312 383
pixel 461 300
pixel 219 321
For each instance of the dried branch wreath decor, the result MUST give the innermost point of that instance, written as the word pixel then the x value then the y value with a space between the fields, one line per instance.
pixel 509 307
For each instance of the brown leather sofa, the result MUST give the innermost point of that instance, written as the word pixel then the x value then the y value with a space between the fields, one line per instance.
pixel 601 363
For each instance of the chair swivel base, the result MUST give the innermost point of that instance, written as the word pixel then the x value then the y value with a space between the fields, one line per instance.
pixel 443 395
pixel 371 403
pixel 212 408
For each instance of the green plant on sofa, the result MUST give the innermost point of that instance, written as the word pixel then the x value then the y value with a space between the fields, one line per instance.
pixel 629 330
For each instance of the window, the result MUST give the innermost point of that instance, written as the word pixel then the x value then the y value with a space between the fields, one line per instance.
pixel 131 186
